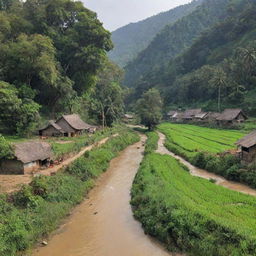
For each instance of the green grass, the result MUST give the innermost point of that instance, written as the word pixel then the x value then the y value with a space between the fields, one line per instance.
pixel 151 143
pixel 36 210
pixel 190 213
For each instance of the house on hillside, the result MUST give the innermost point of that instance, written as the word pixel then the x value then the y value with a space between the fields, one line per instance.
pixel 29 157
pixel 190 114
pixel 73 125
pixel 248 147
pixel 51 130
pixel 231 116
pixel 170 114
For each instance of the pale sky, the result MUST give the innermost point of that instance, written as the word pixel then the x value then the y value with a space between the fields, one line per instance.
pixel 117 13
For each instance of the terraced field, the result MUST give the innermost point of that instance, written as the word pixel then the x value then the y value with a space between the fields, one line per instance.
pixel 192 213
pixel 187 140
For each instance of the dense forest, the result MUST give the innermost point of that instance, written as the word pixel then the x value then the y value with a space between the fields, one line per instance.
pixel 52 52
pixel 133 38
pixel 220 64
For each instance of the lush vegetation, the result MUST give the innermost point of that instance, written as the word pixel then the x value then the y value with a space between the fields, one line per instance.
pixel 38 208
pixel 192 214
pixel 6 151
pixel 149 108
pixel 151 143
pixel 215 71
pixel 204 147
pixel 52 55
pixel 135 37
pixel 172 41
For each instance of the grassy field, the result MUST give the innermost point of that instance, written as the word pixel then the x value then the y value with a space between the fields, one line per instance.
pixel 191 213
pixel 187 140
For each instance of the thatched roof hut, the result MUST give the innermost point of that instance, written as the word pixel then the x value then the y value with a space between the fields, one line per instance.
pixel 248 147
pixel 28 156
pixel 235 115
pixel 201 116
pixel 51 129
pixel 191 113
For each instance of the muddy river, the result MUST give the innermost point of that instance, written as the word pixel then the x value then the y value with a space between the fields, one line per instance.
pixel 204 174
pixel 103 225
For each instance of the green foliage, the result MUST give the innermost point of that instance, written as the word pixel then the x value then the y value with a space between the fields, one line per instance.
pixel 151 143
pixel 6 150
pixel 149 108
pixel 191 214
pixel 36 210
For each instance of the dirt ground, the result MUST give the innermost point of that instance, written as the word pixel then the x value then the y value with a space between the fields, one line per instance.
pixel 12 183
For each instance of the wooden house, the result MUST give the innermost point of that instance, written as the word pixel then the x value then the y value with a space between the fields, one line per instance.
pixel 231 116
pixel 190 114
pixel 51 130
pixel 128 118
pixel 28 157
pixel 201 116
pixel 72 125
pixel 248 147
pixel 211 116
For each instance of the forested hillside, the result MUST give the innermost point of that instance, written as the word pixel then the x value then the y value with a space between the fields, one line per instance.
pixel 135 37
pixel 51 53
pixel 174 39
pixel 219 67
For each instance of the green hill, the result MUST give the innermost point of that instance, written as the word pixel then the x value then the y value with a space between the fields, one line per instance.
pixel 135 37
pixel 175 38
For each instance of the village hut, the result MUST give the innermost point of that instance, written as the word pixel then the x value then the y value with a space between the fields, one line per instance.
pixel 28 157
pixel 170 114
pixel 128 118
pixel 191 113
pixel 73 125
pixel 248 147
pixel 51 130
pixel 211 116
pixel 201 116
pixel 231 116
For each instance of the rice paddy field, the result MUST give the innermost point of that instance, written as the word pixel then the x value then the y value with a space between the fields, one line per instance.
pixel 190 213
pixel 187 140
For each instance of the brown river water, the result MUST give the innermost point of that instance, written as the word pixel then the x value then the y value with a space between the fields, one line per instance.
pixel 103 225
pixel 204 174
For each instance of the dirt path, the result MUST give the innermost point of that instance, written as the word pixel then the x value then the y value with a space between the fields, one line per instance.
pixel 11 183
pixel 103 225
pixel 204 174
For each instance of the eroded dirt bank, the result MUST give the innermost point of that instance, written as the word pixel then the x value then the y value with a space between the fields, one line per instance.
pixel 204 174
pixel 103 225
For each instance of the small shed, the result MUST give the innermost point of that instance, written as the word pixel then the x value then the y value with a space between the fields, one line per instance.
pixel 191 113
pixel 231 116
pixel 248 147
pixel 28 157
pixel 128 118
pixel 201 116
pixel 72 125
pixel 51 130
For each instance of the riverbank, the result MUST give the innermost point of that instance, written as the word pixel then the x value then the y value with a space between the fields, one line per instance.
pixel 191 214
pixel 35 211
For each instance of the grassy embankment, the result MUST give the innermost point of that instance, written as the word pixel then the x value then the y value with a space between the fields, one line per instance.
pixel 203 147
pixel 191 214
pixel 36 210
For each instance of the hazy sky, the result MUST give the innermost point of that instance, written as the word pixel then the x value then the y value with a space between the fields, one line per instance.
pixel 117 13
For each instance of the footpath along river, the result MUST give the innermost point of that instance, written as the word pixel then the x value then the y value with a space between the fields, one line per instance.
pixel 103 225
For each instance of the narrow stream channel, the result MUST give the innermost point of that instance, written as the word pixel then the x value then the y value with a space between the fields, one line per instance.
pixel 103 225
pixel 204 174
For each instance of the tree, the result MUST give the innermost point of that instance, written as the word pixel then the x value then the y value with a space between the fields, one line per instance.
pixel 6 150
pixel 149 108
pixel 106 102
pixel 219 81
pixel 16 115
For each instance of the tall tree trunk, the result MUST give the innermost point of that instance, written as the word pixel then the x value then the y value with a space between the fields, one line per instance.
pixel 219 97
